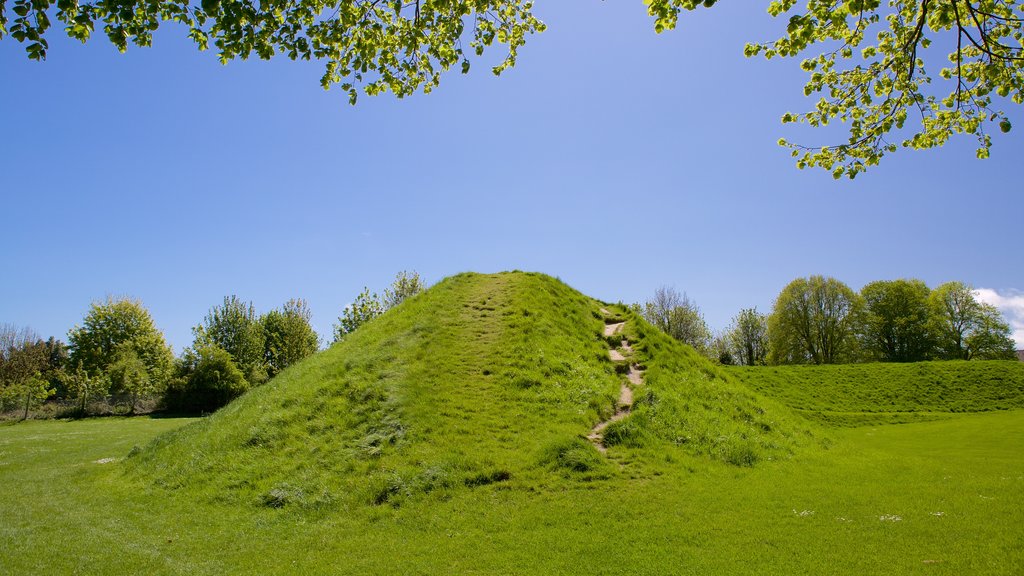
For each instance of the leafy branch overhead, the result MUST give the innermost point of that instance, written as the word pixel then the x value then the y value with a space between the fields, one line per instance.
pixel 395 46
pixel 910 73
pixel 876 69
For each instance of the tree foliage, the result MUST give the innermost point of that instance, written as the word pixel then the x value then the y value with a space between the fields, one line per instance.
pixel 876 69
pixel 405 285
pixel 965 328
pixel 398 46
pixel 897 320
pixel 288 335
pixel 747 338
pixel 80 387
pixel 906 73
pixel 368 306
pixel 115 329
pixel 210 378
pixel 814 320
pixel 678 316
pixel 128 375
pixel 21 354
pixel 234 327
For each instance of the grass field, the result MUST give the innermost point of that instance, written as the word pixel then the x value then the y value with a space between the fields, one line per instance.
pixel 857 394
pixel 956 487
pixel 446 438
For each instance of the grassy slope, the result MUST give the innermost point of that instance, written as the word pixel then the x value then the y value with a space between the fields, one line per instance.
pixel 464 384
pixel 484 378
pixel 463 411
pixel 856 394
pixel 818 513
pixel 690 402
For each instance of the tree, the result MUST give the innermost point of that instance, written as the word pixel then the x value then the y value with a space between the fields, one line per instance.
pixel 30 368
pixel 288 335
pixel 679 317
pixel 814 320
pixel 965 328
pixel 990 339
pixel 81 387
pixel 368 306
pixel 128 375
pixel 721 350
pixel 114 328
pixel 209 379
pixel 365 308
pixel 869 61
pixel 26 393
pixel 22 354
pixel 885 74
pixel 405 285
pixel 896 321
pixel 747 338
pixel 234 328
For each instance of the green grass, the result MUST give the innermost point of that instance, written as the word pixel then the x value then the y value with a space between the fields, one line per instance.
pixel 446 437
pixel 858 394
pixel 689 402
pixel 480 377
pixel 817 513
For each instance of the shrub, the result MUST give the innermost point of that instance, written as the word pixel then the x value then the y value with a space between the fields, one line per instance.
pixel 210 379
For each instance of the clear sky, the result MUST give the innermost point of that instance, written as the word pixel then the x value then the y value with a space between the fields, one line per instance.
pixel 612 157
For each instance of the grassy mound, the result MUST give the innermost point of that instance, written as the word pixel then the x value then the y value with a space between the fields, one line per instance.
pixel 691 402
pixel 856 394
pixel 483 379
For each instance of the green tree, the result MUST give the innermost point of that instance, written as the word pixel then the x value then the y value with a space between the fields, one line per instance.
pixel 679 317
pixel 28 393
pixel 991 337
pixel 234 327
pixel 288 335
pixel 747 338
pixel 117 327
pixel 80 387
pixel 877 67
pixel 22 354
pixel 209 379
pixel 964 328
pixel 897 320
pixel 405 285
pixel 128 376
pixel 366 307
pixel 814 320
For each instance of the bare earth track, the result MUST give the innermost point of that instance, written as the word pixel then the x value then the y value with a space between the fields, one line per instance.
pixel 634 377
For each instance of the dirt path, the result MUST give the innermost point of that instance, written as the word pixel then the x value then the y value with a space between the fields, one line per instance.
pixel 634 377
pixel 610 329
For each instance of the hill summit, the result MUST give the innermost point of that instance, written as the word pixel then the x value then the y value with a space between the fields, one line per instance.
pixel 481 379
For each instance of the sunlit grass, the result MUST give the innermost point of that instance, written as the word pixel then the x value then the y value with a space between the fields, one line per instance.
pixel 447 437
pixel 859 394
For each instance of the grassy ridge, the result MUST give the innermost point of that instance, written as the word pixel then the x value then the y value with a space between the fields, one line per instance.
pixel 855 394
pixel 689 402
pixel 481 379
pixel 465 384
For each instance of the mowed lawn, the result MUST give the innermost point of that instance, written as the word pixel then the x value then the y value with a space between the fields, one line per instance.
pixel 943 497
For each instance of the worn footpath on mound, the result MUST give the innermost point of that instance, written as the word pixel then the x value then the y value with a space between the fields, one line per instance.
pixel 634 378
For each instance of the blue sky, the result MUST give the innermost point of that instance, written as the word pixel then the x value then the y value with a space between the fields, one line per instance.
pixel 612 157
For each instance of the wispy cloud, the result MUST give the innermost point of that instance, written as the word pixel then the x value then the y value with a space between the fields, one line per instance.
pixel 1011 304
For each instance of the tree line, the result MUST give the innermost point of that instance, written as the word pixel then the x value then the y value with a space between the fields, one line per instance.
pixel 117 361
pixel 821 320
